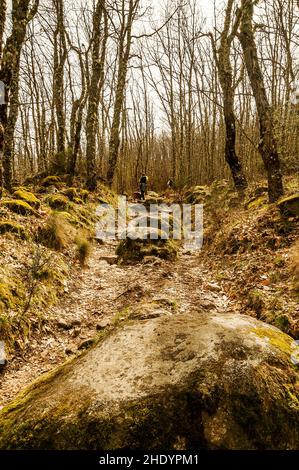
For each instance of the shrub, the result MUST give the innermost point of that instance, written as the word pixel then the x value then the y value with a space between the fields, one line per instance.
pixel 83 249
pixel 294 263
pixel 12 227
pixel 56 233
pixel 18 206
pixel 28 197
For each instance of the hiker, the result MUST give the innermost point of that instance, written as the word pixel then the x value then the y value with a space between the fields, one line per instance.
pixel 143 186
pixel 170 184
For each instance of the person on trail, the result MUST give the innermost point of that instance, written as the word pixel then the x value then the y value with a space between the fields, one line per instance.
pixel 143 186
pixel 170 184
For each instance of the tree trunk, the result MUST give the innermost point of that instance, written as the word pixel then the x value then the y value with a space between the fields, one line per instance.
pixel 268 144
pixel 2 24
pixel 94 91
pixel 222 57
pixel 60 55
pixel 123 60
pixel 9 75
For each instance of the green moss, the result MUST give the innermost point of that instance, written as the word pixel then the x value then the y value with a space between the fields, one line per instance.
pixel 50 180
pixel 71 218
pixel 71 193
pixel 85 215
pixel 12 227
pixel 18 206
pixel 256 300
pixel 6 297
pixel 290 205
pixel 77 200
pixel 278 339
pixel 283 323
pixel 256 202
pixel 28 197
pixel 57 201
pixel 84 194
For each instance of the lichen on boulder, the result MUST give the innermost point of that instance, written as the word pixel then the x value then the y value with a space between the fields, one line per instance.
pixel 192 381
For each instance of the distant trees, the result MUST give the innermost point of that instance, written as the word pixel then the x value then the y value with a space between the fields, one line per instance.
pixel 104 94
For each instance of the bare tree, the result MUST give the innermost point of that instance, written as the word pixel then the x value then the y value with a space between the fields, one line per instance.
pixel 22 14
pixel 60 56
pixel 99 42
pixel 268 144
pixel 3 7
pixel 223 61
pixel 127 17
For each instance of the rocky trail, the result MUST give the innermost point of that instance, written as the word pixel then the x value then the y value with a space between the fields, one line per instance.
pixel 103 294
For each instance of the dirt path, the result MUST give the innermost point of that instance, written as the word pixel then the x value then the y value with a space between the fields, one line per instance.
pixel 99 293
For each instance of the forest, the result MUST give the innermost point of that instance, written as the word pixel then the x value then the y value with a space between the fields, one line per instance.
pixel 175 323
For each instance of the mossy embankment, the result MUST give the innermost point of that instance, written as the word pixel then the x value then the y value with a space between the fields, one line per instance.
pixel 46 232
pixel 251 248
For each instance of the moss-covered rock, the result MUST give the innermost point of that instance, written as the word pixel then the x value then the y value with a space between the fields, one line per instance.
pixel 77 200
pixel 197 195
pixel 18 206
pixel 215 381
pixel 28 197
pixel 256 202
pixel 12 227
pixel 71 193
pixel 57 201
pixel 84 194
pixel 290 205
pixel 50 181
pixel 136 247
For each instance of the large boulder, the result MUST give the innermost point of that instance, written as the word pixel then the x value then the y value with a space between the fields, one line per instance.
pixel 193 381
pixel 290 205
